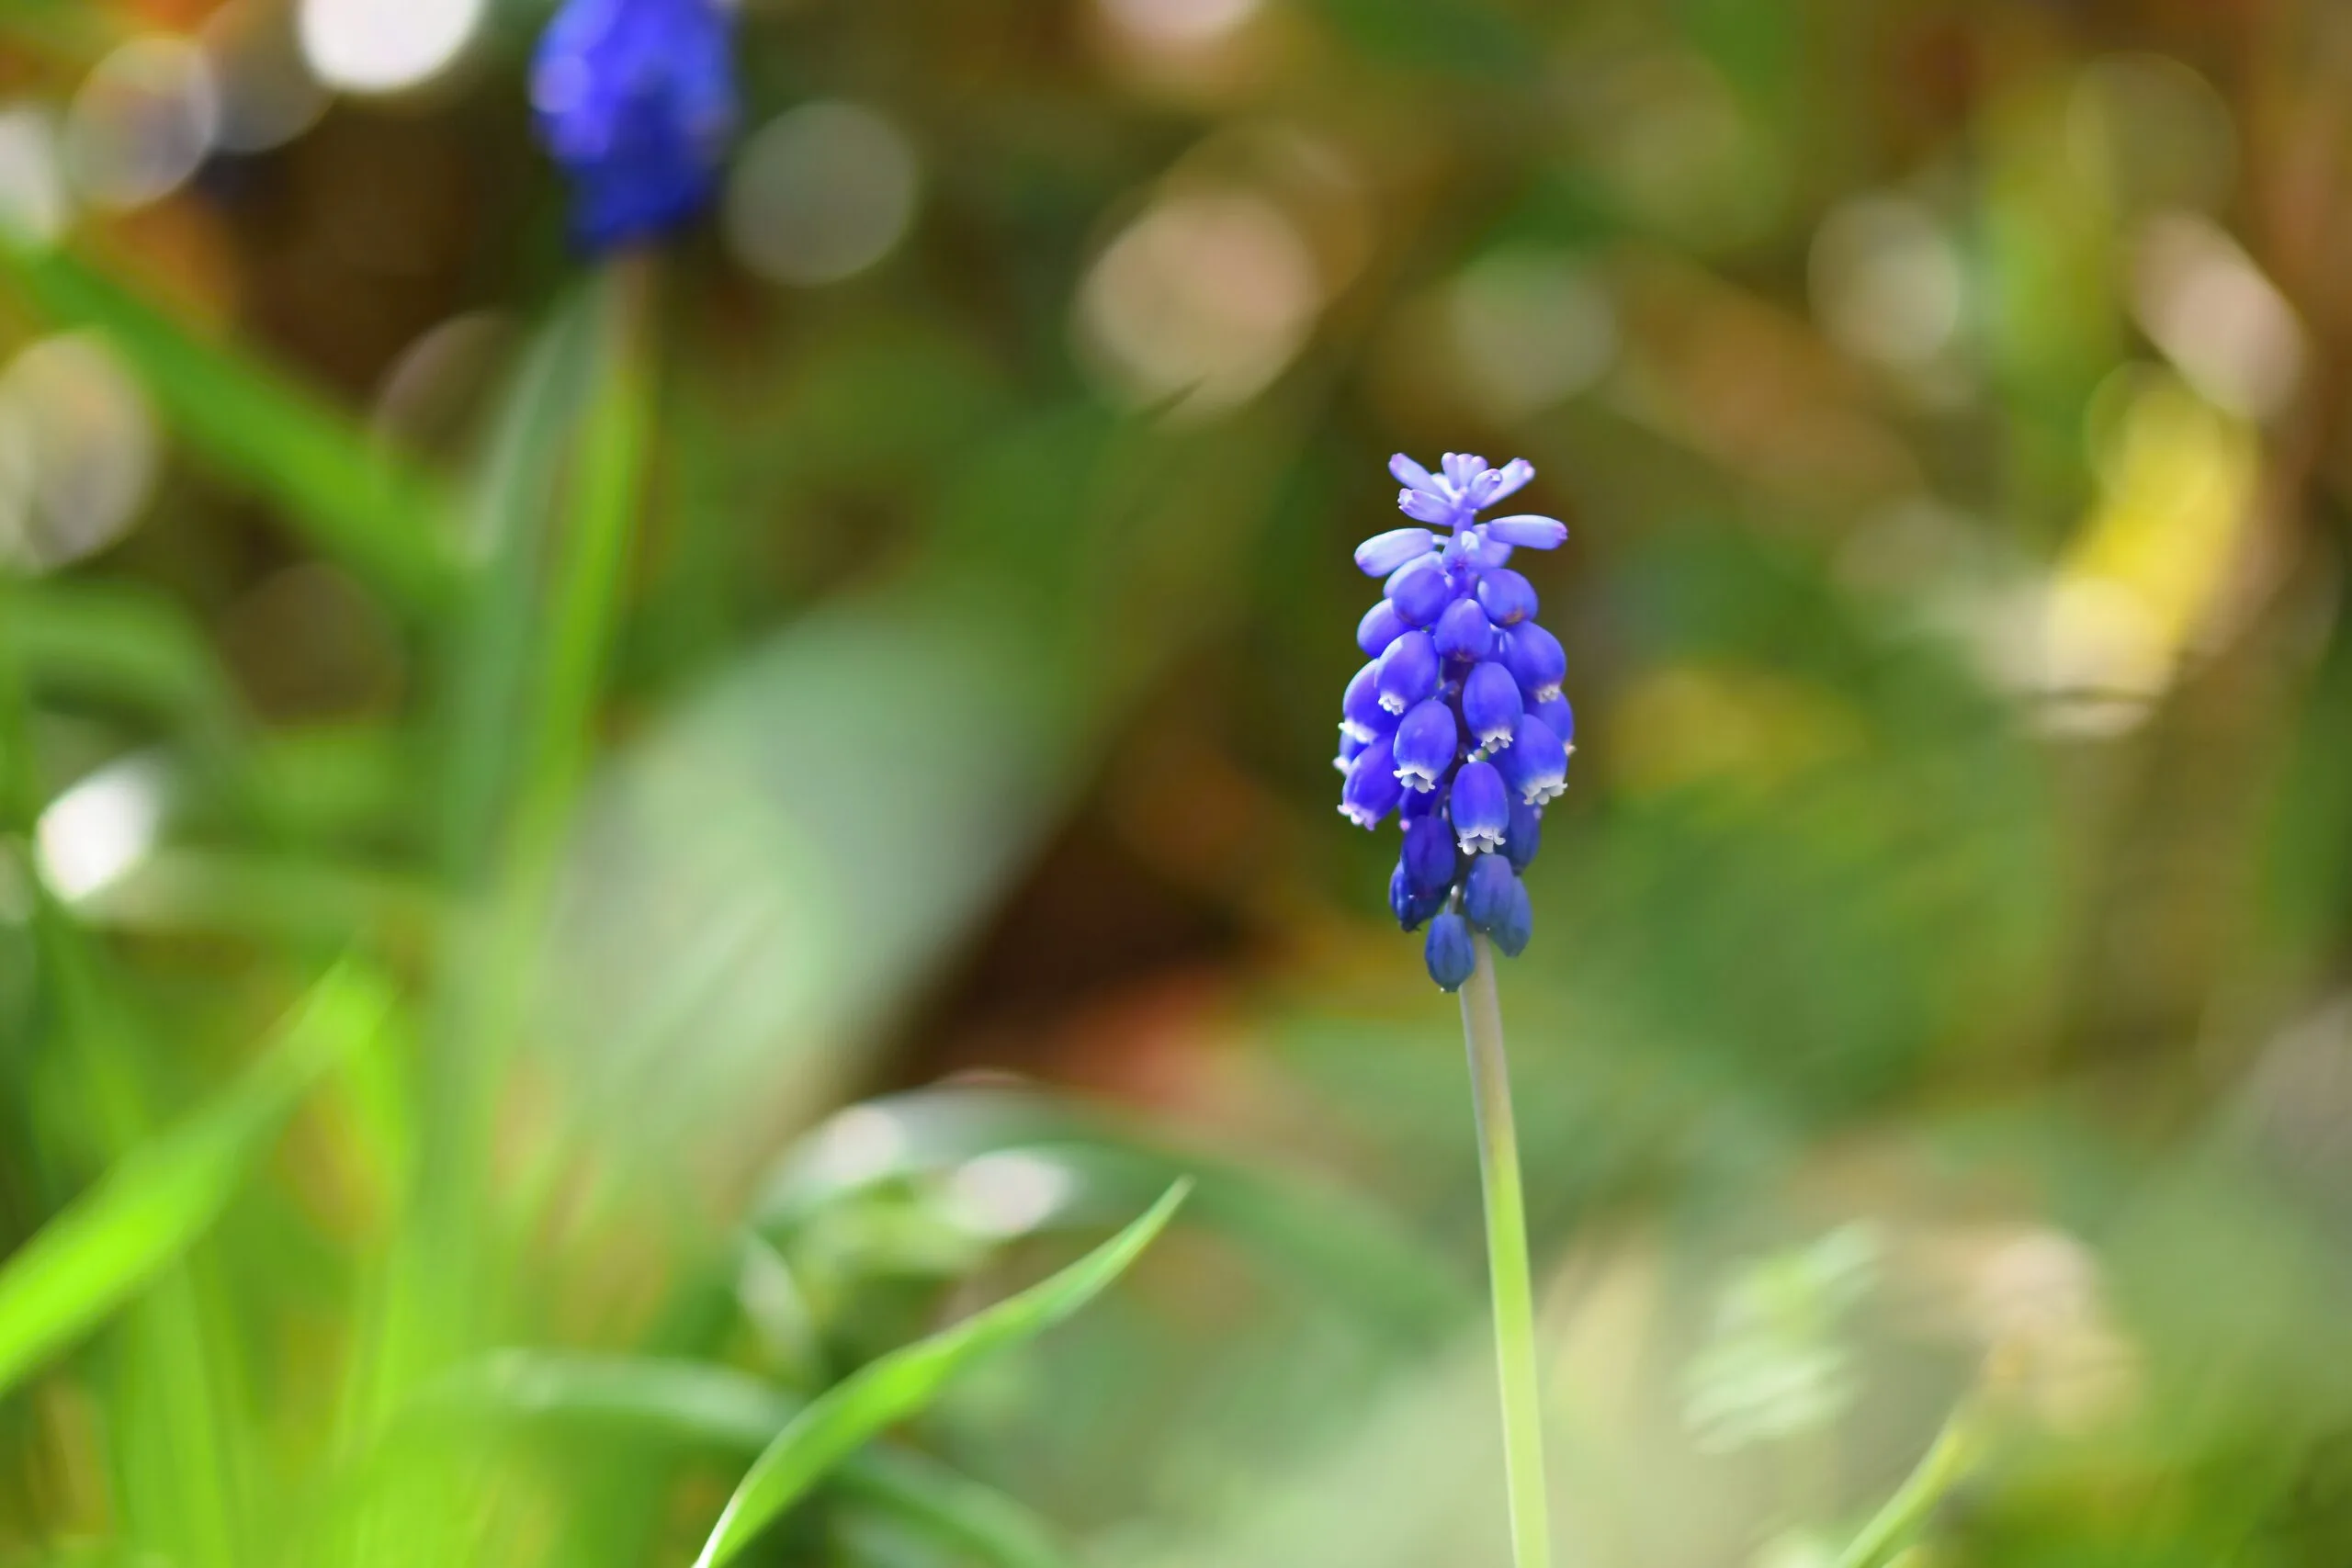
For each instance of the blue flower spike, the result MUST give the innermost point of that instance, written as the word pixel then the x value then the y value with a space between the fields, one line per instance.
pixel 1458 725
pixel 636 100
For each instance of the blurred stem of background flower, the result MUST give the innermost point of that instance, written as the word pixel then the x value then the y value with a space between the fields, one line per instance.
pixel 1512 1279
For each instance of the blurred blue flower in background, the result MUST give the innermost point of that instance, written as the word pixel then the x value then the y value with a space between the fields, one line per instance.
pixel 636 99
pixel 1457 724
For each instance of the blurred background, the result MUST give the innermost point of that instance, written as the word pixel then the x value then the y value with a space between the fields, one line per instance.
pixel 922 848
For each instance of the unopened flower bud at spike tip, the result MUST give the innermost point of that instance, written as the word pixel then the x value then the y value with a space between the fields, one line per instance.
pixel 1448 951
pixel 1383 553
pixel 1535 533
pixel 1411 475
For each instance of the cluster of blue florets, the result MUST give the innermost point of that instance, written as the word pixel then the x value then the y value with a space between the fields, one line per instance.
pixel 636 100
pixel 1458 724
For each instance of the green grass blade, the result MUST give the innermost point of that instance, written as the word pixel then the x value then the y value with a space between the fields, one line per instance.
pixel 353 498
pixel 953 1508
pixel 151 1208
pixel 105 642
pixel 692 1404
pixel 898 1385
pixel 689 1403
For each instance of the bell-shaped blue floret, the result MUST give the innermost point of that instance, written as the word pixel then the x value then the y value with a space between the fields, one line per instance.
pixel 1409 905
pixel 1414 808
pixel 1535 659
pixel 1516 923
pixel 1508 597
pixel 1350 750
pixel 1448 951
pixel 1430 858
pixel 636 100
pixel 1380 626
pixel 1426 742
pixel 1559 718
pixel 1487 891
pixel 1372 790
pixel 1526 835
pixel 1490 706
pixel 1383 553
pixel 1480 807
pixel 1536 766
pixel 1408 672
pixel 1419 589
pixel 1464 631
pixel 1360 714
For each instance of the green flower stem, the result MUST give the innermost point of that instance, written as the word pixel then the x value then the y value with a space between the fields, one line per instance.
pixel 1482 1028
pixel 1950 1457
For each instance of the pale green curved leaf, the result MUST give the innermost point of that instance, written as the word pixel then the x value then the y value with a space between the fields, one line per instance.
pixel 898 1385
pixel 695 1405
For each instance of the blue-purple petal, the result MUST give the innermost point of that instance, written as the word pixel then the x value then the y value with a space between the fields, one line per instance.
pixel 1383 553
pixel 1426 742
pixel 1508 597
pixel 1419 589
pixel 1372 790
pixel 1480 806
pixel 1487 891
pixel 1408 672
pixel 1380 626
pixel 1490 704
pixel 1464 631
pixel 1535 533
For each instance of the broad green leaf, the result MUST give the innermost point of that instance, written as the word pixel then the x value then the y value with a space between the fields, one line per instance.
pixel 150 1209
pixel 354 499
pixel 900 1384
pixel 695 1405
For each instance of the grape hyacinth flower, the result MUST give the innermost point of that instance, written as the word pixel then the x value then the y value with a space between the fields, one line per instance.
pixel 1457 725
pixel 1458 717
pixel 636 100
